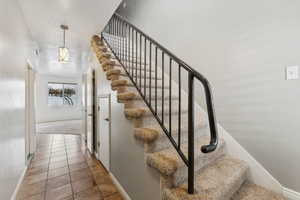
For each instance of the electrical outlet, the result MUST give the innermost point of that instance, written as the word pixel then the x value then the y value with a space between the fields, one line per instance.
pixel 292 72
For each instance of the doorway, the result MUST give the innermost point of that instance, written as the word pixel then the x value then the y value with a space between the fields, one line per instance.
pixel 30 132
pixel 90 110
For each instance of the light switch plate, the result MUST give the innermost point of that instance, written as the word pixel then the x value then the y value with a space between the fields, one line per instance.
pixel 292 72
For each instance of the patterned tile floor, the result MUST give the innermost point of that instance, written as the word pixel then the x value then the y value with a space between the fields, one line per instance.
pixel 62 169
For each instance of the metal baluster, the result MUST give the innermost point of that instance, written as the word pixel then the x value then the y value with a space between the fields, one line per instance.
pixel 191 133
pixel 163 84
pixel 145 57
pixel 141 61
pixel 126 45
pixel 179 106
pixel 121 41
pixel 170 94
pixel 150 66
pixel 124 41
pixel 155 80
pixel 131 59
pixel 136 50
pixel 129 35
pixel 114 28
pixel 118 39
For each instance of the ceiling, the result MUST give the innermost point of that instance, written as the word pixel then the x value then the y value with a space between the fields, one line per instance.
pixel 84 19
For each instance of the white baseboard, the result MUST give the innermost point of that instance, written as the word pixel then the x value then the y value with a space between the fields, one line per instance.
pixel 14 195
pixel 120 188
pixel 291 194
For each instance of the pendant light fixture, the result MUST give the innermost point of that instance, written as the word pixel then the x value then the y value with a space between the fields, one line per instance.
pixel 63 52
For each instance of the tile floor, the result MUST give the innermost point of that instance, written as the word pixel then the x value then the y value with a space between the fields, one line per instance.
pixel 72 127
pixel 62 169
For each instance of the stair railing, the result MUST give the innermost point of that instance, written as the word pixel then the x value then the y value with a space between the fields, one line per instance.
pixel 133 49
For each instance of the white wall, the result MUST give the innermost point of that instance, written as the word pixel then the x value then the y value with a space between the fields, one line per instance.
pixel 15 47
pixel 127 155
pixel 242 47
pixel 47 113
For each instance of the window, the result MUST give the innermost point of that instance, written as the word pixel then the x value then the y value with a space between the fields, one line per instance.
pixel 60 94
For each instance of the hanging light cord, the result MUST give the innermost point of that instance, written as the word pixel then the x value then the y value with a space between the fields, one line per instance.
pixel 64 28
pixel 64 38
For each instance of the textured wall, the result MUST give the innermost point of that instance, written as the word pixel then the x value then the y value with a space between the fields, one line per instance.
pixel 15 48
pixel 243 48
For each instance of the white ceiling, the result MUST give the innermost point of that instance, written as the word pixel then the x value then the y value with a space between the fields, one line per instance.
pixel 84 19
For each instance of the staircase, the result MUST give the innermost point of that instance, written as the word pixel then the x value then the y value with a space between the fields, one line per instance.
pixel 180 139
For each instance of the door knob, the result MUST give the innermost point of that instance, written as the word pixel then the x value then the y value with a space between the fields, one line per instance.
pixel 106 119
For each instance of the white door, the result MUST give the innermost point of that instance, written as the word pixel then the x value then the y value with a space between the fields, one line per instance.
pixel 104 130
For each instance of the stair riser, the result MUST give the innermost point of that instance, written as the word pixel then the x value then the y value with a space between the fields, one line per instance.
pixel 140 103
pixel 217 189
pixel 181 174
pixel 137 72
pixel 233 188
pixel 163 142
pixel 159 91
pixel 143 69
pixel 123 74
pixel 149 116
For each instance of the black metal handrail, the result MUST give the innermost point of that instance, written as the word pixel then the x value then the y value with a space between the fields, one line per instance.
pixel 129 45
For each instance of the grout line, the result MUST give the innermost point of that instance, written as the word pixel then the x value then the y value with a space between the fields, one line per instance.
pixel 50 155
pixel 69 168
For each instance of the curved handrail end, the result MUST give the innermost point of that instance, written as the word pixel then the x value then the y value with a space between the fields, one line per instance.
pixel 209 148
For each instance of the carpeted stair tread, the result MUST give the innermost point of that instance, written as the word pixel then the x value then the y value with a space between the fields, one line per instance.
pixel 250 191
pixel 127 83
pixel 145 111
pixel 117 83
pixel 168 161
pixel 135 112
pixel 123 73
pixel 146 135
pixel 218 181
pixel 134 96
pixel 127 96
pixel 110 74
pixel 138 68
pixel 150 134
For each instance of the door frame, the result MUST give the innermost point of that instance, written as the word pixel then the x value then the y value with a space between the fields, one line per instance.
pixel 94 111
pixel 93 127
pixel 84 107
pixel 30 120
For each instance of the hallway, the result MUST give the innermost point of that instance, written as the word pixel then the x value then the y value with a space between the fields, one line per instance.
pixel 62 169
